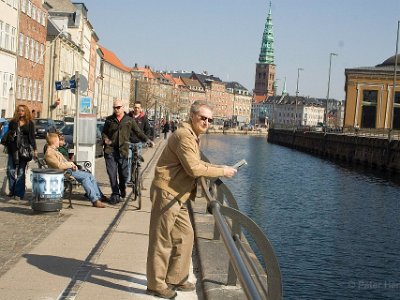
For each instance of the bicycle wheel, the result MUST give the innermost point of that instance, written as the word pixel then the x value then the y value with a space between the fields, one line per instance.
pixel 138 188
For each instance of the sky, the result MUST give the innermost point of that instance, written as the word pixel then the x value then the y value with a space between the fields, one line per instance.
pixel 223 37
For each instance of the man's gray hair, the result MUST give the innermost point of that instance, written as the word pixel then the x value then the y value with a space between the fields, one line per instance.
pixel 195 108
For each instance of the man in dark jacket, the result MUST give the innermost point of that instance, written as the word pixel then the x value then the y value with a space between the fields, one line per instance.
pixel 141 119
pixel 117 131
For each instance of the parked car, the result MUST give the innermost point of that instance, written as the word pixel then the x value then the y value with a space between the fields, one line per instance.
pixel 59 123
pixel 69 119
pixel 68 132
pixel 43 126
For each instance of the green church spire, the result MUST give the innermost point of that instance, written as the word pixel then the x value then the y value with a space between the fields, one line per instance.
pixel 267 45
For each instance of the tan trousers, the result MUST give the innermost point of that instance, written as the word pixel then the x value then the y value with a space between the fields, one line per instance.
pixel 170 241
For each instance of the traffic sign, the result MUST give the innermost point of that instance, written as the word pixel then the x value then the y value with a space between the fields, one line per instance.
pixel 83 84
pixel 65 85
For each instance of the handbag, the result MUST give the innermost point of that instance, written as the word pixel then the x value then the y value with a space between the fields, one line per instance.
pixel 25 150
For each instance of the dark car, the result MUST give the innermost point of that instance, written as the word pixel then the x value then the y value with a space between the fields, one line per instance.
pixel 59 123
pixel 43 126
pixel 68 132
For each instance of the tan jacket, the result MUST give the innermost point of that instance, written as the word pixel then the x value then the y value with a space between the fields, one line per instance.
pixel 180 165
pixel 56 160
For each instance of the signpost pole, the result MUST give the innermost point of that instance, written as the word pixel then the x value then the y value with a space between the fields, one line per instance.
pixel 76 133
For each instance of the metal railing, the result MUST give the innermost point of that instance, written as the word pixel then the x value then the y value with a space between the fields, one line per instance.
pixel 256 282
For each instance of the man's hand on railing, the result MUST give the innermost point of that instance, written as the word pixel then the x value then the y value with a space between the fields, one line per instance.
pixel 150 143
pixel 229 171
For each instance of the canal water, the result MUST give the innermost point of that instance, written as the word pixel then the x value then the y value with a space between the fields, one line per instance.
pixel 335 229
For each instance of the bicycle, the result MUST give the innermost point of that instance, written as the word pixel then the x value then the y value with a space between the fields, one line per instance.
pixel 135 176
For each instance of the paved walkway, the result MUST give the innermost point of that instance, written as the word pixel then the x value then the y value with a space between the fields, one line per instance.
pixel 80 253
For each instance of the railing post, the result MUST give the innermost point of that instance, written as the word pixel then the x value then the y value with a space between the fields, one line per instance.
pixel 220 199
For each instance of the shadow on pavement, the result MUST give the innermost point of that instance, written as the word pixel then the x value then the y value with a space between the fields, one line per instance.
pixel 99 273
pixel 19 210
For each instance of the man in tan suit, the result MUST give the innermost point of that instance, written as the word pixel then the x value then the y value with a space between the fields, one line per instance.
pixel 171 232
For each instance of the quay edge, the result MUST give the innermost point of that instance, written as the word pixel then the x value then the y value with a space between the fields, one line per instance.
pixel 370 151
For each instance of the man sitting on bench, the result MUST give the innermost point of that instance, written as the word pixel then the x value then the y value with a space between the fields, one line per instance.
pixel 56 160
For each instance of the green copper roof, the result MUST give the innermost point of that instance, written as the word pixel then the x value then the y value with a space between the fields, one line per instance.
pixel 267 45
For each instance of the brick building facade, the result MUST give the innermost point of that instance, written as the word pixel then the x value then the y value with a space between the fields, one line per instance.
pixel 30 61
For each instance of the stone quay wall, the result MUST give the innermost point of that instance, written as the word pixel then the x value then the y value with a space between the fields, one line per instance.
pixel 374 151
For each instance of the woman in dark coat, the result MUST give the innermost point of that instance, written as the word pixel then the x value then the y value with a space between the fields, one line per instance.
pixel 16 165
pixel 165 129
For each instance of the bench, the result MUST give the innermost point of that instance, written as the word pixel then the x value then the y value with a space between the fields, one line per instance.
pixel 69 181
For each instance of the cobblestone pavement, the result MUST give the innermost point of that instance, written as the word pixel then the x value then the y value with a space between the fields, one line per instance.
pixel 20 227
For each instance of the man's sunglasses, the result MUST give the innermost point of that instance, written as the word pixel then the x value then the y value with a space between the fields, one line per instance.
pixel 117 107
pixel 203 118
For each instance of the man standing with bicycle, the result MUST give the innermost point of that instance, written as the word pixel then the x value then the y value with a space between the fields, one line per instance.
pixel 171 233
pixel 141 120
pixel 117 130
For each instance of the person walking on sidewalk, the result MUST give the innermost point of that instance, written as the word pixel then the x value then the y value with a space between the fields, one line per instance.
pixel 171 233
pixel 165 129
pixel 56 160
pixel 117 130
pixel 20 136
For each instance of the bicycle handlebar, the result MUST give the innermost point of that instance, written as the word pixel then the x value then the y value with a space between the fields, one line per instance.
pixel 144 144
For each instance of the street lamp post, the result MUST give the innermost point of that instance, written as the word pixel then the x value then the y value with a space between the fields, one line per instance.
pixel 297 94
pixel 329 84
pixel 233 110
pixel 394 80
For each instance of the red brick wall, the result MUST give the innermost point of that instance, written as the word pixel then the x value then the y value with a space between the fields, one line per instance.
pixel 27 68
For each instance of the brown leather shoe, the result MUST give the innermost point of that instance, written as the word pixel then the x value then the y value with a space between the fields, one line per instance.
pixel 98 204
pixel 184 287
pixel 165 293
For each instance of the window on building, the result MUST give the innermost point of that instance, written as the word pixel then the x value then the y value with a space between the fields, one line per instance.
pixel 21 44
pixel 29 8
pixel 368 115
pixel 33 12
pixel 1 34
pixel 19 87
pixel 32 55
pixel 44 16
pixel 41 54
pixel 36 52
pixel 13 37
pixel 5 80
pixel 23 6
pixel 24 88
pixel 7 37
pixel 39 96
pixel 397 98
pixel 38 15
pixel 370 96
pixel 27 43
pixel 30 90
pixel 34 90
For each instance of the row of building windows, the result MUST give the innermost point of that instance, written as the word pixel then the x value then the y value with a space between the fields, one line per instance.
pixel 7 36
pixel 34 12
pixel 6 83
pixel 12 3
pixel 28 89
pixel 30 49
